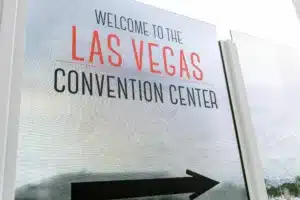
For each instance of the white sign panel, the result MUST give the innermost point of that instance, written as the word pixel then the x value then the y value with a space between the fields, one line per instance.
pixel 127 97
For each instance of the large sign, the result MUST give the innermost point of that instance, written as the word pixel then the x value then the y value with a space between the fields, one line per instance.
pixel 123 100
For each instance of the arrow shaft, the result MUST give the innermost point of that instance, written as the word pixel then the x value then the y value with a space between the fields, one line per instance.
pixel 137 188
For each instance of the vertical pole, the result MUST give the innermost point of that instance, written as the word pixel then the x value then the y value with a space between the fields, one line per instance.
pixel 7 31
pixel 11 62
pixel 247 140
pixel 296 4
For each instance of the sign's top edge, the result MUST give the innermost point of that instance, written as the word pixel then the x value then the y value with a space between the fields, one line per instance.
pixel 174 13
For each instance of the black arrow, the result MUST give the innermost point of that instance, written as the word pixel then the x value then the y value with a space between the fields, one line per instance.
pixel 196 184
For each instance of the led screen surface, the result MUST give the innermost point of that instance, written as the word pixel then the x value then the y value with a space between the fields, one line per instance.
pixel 120 91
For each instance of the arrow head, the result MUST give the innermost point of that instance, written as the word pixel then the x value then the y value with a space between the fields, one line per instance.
pixel 204 182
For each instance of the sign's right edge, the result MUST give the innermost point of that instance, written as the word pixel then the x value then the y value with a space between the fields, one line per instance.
pixel 247 143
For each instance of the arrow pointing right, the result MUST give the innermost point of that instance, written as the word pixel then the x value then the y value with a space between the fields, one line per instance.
pixel 196 184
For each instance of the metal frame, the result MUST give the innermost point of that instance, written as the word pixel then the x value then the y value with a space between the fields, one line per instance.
pixel 248 145
pixel 7 32
pixel 12 52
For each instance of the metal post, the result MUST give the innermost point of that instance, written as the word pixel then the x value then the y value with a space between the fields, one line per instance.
pixel 12 52
pixel 247 140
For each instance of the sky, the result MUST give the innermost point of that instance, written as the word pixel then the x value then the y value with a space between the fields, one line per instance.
pixel 273 20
